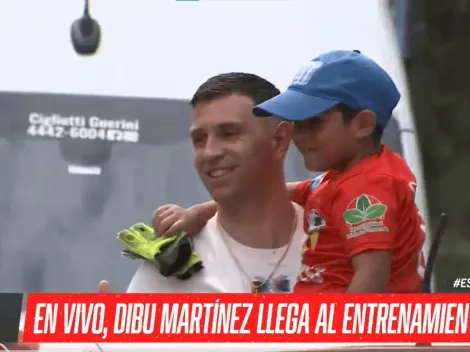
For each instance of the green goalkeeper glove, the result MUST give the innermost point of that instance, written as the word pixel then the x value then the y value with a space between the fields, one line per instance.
pixel 173 256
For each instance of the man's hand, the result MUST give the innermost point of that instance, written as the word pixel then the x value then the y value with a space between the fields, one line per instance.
pixel 104 287
pixel 19 345
pixel 171 219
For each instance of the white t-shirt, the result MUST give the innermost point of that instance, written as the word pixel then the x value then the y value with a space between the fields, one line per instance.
pixel 222 272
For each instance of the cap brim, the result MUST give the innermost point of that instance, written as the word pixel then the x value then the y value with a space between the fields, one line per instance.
pixel 293 105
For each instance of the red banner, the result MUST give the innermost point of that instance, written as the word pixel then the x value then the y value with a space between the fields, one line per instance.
pixel 247 318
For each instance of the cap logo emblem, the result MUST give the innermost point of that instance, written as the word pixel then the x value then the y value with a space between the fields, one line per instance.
pixel 305 73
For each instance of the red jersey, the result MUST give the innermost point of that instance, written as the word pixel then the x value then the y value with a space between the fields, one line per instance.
pixel 368 207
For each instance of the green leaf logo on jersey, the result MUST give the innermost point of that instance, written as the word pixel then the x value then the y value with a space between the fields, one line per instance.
pixel 364 208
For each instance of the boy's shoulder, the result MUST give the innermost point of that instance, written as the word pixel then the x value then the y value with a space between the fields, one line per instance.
pixel 387 172
pixel 389 169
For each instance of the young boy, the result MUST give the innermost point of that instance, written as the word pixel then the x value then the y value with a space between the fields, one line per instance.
pixel 365 231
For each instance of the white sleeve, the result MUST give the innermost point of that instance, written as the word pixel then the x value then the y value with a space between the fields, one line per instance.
pixel 148 279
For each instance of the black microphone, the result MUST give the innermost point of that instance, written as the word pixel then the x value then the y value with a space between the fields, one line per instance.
pixel 86 33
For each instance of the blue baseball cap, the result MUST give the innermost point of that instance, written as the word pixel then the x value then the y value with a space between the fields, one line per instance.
pixel 333 78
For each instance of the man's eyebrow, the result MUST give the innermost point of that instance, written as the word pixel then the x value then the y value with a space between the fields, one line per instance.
pixel 230 124
pixel 194 130
pixel 221 125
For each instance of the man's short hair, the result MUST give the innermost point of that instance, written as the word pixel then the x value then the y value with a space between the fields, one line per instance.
pixel 247 84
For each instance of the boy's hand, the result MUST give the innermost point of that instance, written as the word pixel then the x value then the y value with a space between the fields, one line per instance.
pixel 171 219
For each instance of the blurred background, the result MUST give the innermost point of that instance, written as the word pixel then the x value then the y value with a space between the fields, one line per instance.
pixel 63 199
pixel 434 41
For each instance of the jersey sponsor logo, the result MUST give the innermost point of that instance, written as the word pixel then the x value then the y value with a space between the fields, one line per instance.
pixel 311 242
pixel 310 273
pixel 315 222
pixel 365 214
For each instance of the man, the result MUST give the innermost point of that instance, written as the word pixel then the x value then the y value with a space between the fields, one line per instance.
pixel 253 243
pixel 365 232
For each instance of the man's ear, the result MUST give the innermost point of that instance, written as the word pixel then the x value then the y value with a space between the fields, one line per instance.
pixel 282 137
pixel 363 124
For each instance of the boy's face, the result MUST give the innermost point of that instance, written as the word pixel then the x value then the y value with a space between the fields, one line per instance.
pixel 326 141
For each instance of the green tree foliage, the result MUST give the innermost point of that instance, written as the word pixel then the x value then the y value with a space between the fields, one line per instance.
pixel 439 73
